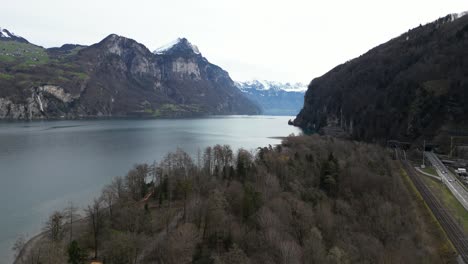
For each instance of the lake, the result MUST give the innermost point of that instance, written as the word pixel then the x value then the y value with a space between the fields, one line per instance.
pixel 46 164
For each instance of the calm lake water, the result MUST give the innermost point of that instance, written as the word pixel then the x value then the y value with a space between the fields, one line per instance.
pixel 46 164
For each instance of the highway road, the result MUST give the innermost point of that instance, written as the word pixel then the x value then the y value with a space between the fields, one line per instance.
pixel 448 179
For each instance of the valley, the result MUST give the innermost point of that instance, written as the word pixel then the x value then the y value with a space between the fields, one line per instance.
pixel 275 98
pixel 252 147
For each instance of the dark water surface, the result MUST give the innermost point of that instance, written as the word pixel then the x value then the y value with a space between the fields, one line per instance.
pixel 44 165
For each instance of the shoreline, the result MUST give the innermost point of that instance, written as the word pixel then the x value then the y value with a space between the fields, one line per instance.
pixel 104 118
pixel 133 117
pixel 28 246
pixel 281 138
pixel 35 239
pixel 32 242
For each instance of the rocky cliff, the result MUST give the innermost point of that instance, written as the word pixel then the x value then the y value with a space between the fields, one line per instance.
pixel 115 77
pixel 414 86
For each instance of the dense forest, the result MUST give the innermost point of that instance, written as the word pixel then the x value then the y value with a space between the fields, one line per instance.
pixel 412 87
pixel 310 199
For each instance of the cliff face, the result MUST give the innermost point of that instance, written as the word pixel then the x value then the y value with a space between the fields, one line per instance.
pixel 43 101
pixel 115 77
pixel 415 85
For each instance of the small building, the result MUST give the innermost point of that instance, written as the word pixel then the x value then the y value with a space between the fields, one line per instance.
pixel 461 171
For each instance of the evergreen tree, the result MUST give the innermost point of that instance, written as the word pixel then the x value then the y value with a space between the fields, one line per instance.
pixel 76 255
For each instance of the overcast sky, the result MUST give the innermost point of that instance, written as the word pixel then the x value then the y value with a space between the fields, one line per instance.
pixel 290 40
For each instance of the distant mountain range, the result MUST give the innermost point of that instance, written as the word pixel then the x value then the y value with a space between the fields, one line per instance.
pixel 115 77
pixel 275 98
pixel 414 86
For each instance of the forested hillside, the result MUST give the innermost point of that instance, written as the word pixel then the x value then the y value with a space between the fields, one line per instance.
pixel 309 200
pixel 413 86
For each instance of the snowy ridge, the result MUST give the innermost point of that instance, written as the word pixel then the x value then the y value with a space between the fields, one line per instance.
pixel 275 98
pixel 168 46
pixel 457 16
pixel 163 49
pixel 5 33
pixel 263 85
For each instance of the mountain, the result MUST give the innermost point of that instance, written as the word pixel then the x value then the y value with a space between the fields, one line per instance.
pixel 412 87
pixel 115 77
pixel 180 45
pixel 275 98
pixel 6 35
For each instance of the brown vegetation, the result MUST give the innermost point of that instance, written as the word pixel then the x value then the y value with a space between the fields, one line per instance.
pixel 309 200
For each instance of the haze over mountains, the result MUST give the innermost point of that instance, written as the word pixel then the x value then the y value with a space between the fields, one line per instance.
pixel 115 77
pixel 414 86
pixel 275 98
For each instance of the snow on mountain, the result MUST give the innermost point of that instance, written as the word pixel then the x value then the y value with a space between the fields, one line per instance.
pixel 459 15
pixel 275 98
pixel 179 41
pixel 5 33
pixel 271 85
pixel 168 46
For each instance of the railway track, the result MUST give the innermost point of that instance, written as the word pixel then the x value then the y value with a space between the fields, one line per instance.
pixel 453 230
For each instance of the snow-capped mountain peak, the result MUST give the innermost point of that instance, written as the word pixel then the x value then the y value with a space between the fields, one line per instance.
pixel 275 98
pixel 179 42
pixel 4 33
pixel 264 85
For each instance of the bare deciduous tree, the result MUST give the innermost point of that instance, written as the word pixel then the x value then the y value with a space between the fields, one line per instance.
pixel 136 181
pixel 19 245
pixel 54 226
pixel 118 187
pixel 109 197
pixel 94 212
pixel 70 213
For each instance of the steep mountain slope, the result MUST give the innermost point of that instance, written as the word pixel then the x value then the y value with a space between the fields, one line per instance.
pixel 115 77
pixel 273 97
pixel 415 85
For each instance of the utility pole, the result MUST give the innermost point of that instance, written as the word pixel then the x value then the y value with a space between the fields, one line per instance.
pixel 424 149
pixel 451 147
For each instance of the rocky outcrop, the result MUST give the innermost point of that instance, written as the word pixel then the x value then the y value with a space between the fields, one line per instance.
pixel 186 69
pixel 46 101
pixel 57 92
pixel 8 109
pixel 119 77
